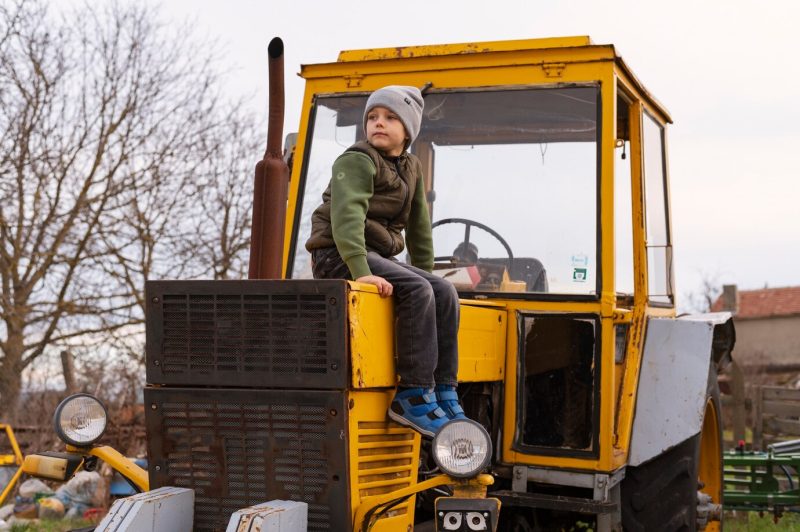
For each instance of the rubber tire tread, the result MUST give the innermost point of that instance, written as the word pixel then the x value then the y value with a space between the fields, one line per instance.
pixel 661 495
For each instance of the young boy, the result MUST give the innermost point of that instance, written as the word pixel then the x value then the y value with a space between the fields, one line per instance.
pixel 376 192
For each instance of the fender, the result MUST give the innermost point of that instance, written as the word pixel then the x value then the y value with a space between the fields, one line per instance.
pixel 676 363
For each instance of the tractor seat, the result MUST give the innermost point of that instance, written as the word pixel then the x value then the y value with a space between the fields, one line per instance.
pixel 525 269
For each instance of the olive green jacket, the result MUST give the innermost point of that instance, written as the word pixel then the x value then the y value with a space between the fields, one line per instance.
pixel 370 200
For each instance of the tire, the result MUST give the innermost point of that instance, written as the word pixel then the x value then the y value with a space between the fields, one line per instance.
pixel 661 495
pixel 517 520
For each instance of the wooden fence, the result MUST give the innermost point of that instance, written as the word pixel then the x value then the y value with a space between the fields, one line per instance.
pixel 776 414
pixel 771 413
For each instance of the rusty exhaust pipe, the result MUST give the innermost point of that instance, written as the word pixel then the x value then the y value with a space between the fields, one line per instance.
pixel 271 182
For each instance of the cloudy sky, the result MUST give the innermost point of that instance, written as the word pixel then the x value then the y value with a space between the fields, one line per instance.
pixel 726 71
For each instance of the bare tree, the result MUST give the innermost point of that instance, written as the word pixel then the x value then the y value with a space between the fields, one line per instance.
pixel 222 237
pixel 194 222
pixel 108 124
pixel 710 289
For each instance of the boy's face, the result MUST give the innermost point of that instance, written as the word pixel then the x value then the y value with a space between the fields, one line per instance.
pixel 385 131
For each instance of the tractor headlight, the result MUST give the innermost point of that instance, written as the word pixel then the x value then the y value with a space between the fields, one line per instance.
pixel 80 419
pixel 462 448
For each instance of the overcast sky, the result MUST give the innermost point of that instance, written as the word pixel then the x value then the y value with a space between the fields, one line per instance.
pixel 726 71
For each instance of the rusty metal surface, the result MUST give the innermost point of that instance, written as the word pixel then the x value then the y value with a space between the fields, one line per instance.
pixel 271 182
pixel 237 448
pixel 403 52
pixel 261 334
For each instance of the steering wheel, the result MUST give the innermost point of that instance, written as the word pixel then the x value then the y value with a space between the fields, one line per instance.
pixel 468 224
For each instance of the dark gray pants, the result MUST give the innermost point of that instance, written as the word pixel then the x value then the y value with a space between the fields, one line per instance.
pixel 427 316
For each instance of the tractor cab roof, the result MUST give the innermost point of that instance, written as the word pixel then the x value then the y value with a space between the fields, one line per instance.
pixel 544 51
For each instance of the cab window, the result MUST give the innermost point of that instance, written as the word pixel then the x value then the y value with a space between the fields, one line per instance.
pixel 512 178
pixel 659 249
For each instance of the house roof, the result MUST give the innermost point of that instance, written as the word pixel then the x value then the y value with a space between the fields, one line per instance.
pixel 765 303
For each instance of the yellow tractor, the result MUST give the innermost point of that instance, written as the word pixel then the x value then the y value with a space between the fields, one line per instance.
pixel 595 405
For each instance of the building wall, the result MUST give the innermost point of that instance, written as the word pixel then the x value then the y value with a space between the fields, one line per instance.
pixel 765 341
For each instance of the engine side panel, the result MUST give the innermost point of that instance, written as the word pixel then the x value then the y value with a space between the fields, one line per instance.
pixel 259 334
pixel 237 448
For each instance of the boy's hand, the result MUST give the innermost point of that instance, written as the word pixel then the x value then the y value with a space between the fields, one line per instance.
pixel 384 287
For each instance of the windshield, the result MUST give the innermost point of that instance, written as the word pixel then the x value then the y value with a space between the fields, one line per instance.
pixel 512 178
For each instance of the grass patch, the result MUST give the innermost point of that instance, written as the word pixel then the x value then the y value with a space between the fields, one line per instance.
pixel 50 525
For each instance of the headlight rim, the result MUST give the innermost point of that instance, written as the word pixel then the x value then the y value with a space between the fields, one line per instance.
pixel 484 463
pixel 57 415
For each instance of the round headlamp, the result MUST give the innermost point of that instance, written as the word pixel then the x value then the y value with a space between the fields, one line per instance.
pixel 80 419
pixel 462 448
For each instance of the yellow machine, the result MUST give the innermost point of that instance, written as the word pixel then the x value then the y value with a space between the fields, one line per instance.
pixel 549 158
pixel 79 421
pixel 547 175
pixel 9 463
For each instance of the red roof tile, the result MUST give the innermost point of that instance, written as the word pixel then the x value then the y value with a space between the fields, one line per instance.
pixel 765 303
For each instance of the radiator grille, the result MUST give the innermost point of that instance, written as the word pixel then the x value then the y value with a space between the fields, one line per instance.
pixel 237 448
pixel 386 461
pixel 246 333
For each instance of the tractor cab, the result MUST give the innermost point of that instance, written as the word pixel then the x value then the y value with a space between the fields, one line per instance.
pixel 521 172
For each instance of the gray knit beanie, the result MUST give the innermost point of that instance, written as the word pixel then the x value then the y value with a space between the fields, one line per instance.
pixel 405 102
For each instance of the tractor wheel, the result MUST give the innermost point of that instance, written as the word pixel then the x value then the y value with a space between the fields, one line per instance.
pixel 518 520
pixel 661 495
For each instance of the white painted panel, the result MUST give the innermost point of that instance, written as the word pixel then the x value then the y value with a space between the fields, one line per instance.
pixel 272 516
pixel 672 386
pixel 165 509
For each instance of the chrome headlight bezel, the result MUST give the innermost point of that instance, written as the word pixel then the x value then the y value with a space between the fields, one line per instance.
pixel 69 410
pixel 480 444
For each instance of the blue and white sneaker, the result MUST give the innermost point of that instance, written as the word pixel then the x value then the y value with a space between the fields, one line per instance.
pixel 417 408
pixel 447 397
